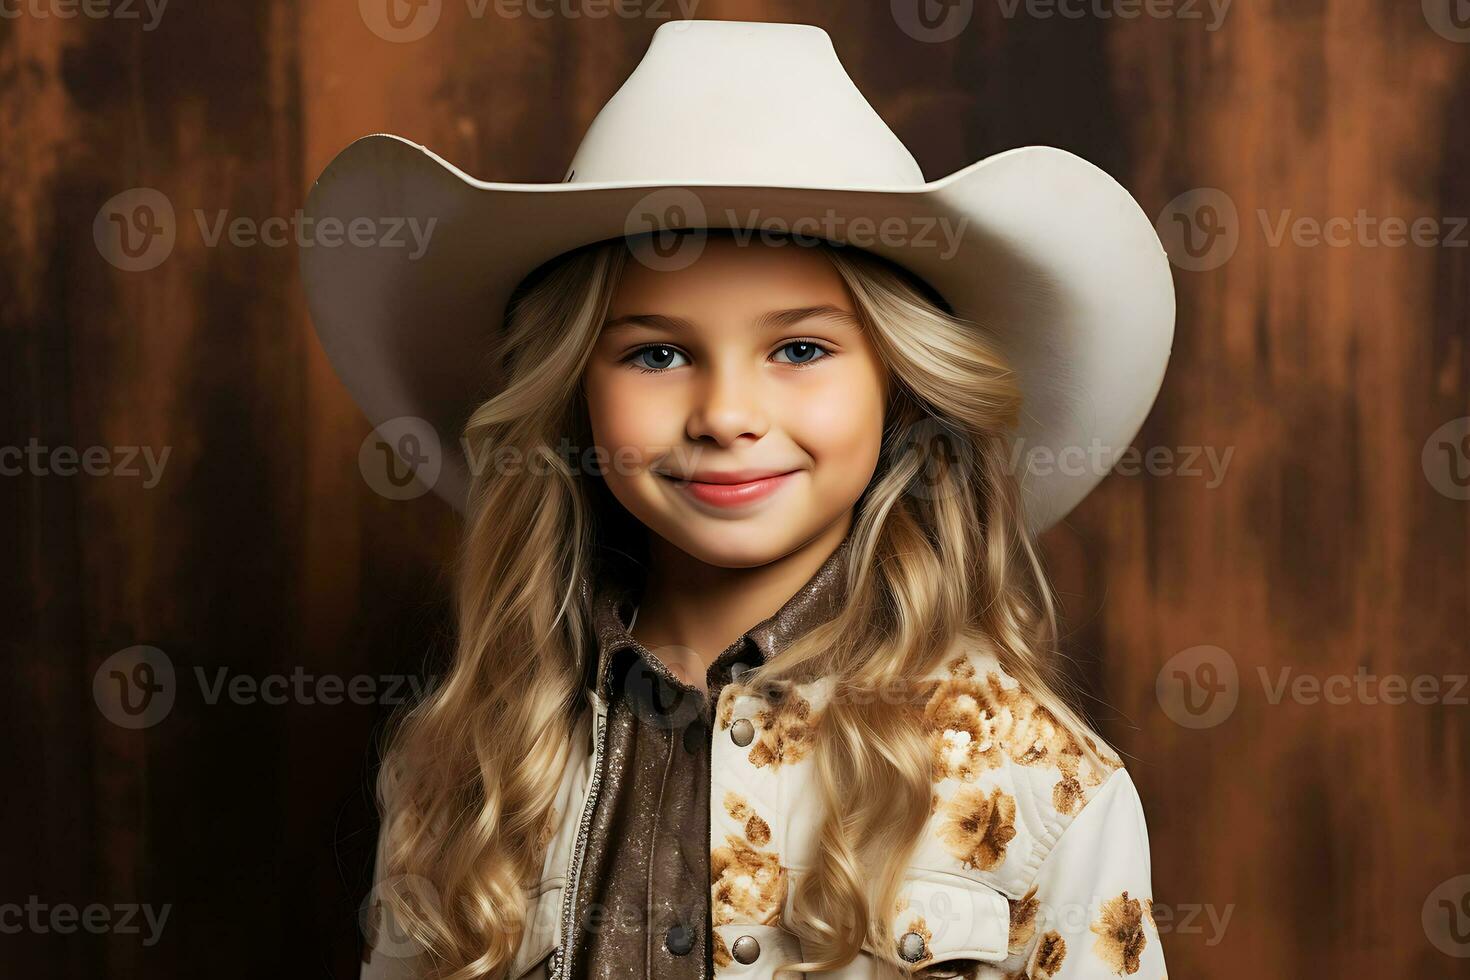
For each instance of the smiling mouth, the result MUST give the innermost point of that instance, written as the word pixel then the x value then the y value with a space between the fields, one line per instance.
pixel 725 494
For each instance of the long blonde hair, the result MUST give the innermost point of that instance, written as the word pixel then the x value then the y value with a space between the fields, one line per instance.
pixel 940 554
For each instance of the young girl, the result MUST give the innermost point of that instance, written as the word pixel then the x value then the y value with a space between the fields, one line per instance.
pixel 755 663
pixel 835 673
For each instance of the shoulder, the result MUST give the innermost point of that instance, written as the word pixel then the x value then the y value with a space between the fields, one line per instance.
pixel 980 716
pixel 1003 761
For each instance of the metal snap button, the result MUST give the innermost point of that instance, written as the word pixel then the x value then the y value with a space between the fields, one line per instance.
pixel 746 949
pixel 742 731
pixel 911 947
pixel 679 939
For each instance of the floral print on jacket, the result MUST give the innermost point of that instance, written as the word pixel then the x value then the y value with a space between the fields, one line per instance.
pixel 1035 862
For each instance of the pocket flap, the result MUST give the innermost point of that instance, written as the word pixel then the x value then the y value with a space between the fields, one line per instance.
pixel 943 916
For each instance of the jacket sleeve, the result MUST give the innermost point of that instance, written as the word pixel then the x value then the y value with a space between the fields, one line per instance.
pixel 1096 913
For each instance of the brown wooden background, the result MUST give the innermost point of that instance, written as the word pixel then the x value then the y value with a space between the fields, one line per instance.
pixel 1321 829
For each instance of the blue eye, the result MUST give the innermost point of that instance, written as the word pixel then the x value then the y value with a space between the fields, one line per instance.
pixel 803 352
pixel 655 358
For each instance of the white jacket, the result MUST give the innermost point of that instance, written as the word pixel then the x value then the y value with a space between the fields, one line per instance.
pixel 1035 862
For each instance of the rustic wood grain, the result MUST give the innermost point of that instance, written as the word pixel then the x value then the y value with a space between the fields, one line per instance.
pixel 1320 829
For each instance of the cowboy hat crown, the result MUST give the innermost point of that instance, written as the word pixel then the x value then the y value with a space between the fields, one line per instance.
pixel 742 103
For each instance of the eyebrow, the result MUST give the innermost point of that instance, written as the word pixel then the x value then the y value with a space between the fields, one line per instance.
pixel 773 320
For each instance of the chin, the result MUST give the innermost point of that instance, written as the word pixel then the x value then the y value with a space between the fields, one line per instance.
pixel 735 544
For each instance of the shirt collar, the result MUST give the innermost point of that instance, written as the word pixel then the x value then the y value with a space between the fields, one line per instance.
pixel 817 601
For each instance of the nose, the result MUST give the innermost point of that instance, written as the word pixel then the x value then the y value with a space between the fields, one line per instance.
pixel 727 406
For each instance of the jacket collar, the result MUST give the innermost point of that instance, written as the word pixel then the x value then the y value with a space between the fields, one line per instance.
pixel 813 604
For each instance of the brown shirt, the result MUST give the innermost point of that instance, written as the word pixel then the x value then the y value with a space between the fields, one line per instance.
pixel 643 904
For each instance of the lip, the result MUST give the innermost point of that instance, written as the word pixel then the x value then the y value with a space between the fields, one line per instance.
pixel 733 488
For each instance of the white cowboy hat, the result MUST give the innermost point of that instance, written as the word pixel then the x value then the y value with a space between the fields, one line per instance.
pixel 736 124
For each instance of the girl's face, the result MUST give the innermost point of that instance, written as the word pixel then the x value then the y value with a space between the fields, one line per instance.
pixel 738 401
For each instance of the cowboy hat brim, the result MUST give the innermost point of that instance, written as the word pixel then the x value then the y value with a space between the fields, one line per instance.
pixel 1048 253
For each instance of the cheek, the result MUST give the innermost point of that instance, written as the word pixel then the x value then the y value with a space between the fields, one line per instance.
pixel 840 423
pixel 627 415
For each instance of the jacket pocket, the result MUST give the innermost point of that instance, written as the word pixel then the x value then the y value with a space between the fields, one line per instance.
pixel 944 925
pixel 944 917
